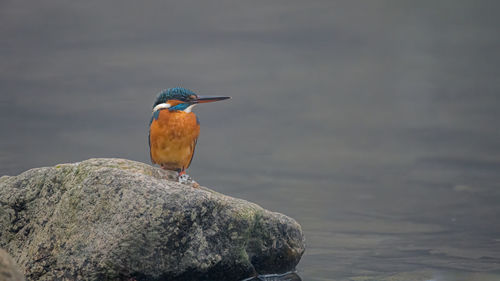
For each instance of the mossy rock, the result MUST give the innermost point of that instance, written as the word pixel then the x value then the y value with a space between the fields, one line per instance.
pixel 115 219
pixel 8 268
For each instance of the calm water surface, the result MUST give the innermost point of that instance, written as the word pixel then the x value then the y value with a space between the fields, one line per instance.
pixel 374 124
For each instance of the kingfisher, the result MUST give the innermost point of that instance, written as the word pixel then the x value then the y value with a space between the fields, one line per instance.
pixel 174 129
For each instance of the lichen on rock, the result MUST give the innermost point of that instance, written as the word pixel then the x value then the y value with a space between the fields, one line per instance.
pixel 116 219
pixel 8 268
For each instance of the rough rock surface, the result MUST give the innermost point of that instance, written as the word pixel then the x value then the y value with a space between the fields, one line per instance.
pixel 8 268
pixel 115 219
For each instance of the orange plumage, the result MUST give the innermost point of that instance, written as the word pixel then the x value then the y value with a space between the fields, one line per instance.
pixel 173 139
pixel 174 129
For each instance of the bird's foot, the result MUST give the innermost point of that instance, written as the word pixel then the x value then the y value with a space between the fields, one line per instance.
pixel 185 178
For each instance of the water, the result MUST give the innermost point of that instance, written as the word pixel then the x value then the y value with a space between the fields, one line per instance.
pixel 374 124
pixel 288 276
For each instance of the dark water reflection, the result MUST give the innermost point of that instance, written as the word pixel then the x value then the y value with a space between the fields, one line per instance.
pixel 291 276
pixel 374 124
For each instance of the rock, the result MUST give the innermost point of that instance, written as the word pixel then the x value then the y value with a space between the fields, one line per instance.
pixel 8 268
pixel 116 219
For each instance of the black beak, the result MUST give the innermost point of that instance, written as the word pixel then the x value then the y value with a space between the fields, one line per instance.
pixel 205 99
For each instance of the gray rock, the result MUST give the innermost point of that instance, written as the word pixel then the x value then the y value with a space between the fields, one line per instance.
pixel 115 219
pixel 8 268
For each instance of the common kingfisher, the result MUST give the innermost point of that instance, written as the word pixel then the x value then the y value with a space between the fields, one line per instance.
pixel 174 129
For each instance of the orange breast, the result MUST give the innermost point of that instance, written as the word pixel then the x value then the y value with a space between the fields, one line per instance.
pixel 173 138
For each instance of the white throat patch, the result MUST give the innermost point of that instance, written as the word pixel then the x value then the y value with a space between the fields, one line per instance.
pixel 161 106
pixel 188 109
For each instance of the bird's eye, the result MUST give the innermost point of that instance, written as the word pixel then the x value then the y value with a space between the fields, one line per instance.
pixel 192 97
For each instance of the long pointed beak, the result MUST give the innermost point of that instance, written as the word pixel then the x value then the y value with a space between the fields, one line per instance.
pixel 205 99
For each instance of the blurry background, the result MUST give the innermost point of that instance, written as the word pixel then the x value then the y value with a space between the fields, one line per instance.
pixel 373 123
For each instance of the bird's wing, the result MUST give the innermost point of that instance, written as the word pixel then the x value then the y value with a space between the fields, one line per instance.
pixel 149 137
pixel 149 143
pixel 155 116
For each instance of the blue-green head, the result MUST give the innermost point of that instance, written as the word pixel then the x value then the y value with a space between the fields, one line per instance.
pixel 175 98
pixel 181 99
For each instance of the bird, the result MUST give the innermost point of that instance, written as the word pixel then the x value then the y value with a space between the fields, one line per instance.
pixel 174 129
